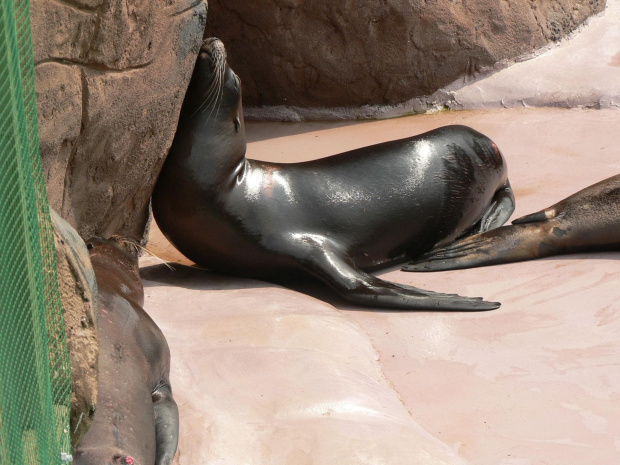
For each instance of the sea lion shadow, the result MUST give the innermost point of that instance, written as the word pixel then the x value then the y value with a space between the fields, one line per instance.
pixel 194 278
pixel 592 255
pixel 566 257
pixel 320 291
pixel 255 134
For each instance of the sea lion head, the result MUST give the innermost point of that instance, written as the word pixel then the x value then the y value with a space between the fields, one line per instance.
pixel 215 89
pixel 115 260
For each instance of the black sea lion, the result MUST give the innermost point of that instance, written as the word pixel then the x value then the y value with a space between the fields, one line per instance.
pixel 584 222
pixel 329 218
pixel 137 420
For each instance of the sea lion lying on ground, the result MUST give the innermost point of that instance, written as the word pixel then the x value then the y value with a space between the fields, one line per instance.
pixel 137 420
pixel 331 218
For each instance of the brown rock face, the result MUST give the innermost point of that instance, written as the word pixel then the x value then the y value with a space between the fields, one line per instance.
pixel 324 53
pixel 110 80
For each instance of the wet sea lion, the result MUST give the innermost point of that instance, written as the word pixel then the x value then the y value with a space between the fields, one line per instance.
pixel 137 420
pixel 330 218
pixel 584 222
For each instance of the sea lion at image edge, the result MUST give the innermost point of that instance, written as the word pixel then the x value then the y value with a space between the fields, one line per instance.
pixel 587 221
pixel 329 218
pixel 137 420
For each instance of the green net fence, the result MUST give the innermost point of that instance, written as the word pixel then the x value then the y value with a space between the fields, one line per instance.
pixel 35 376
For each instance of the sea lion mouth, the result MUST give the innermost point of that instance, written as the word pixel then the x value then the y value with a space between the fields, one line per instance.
pixel 213 51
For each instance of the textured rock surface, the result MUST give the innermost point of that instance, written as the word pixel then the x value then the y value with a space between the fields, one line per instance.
pixel 328 54
pixel 78 290
pixel 110 78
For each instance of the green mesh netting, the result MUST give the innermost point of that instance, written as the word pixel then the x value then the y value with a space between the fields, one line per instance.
pixel 35 375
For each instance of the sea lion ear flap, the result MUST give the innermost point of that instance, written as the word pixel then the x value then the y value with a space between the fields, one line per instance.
pixel 237 124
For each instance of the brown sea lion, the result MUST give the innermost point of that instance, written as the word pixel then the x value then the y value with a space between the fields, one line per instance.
pixel 331 218
pixel 137 419
pixel 584 222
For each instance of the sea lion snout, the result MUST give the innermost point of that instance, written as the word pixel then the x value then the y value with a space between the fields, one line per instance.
pixel 213 50
pixel 214 87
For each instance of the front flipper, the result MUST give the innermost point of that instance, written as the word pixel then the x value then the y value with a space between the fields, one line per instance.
pixel 519 242
pixel 322 259
pixel 166 424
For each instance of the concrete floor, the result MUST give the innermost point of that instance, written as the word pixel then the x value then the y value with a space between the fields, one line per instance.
pixel 265 374
pixel 270 375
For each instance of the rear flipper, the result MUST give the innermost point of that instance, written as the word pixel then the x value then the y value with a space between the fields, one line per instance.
pixel 499 211
pixel 527 239
pixel 166 424
pixel 323 260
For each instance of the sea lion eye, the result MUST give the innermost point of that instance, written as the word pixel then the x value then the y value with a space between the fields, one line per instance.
pixel 90 246
pixel 237 124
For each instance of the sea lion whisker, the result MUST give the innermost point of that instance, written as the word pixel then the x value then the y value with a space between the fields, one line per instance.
pixel 210 95
pixel 136 248
pixel 215 88
pixel 214 85
pixel 219 97
pixel 215 79
pixel 163 262
pixel 131 245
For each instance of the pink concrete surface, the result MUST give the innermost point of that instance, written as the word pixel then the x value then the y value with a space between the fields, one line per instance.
pixel 270 375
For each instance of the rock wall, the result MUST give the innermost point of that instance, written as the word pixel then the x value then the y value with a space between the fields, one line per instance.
pixel 78 291
pixel 110 80
pixel 323 53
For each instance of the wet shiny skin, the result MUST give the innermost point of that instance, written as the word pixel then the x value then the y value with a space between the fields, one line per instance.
pixel 137 417
pixel 587 221
pixel 329 218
